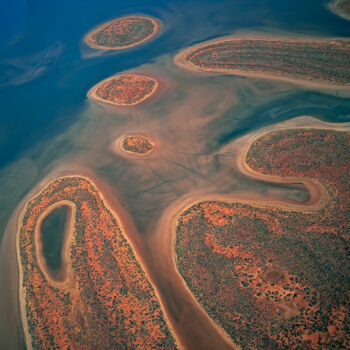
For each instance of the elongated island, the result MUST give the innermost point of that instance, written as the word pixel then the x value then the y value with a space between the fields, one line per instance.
pixel 104 299
pixel 318 62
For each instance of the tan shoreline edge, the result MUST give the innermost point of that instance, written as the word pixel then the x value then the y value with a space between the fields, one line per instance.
pixel 171 216
pixel 88 41
pixel 93 96
pixel 333 6
pixel 22 290
pixel 181 61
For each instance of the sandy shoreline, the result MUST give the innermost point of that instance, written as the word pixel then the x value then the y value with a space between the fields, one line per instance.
pixel 88 41
pixel 165 234
pixel 91 94
pixel 181 61
pixel 43 184
pixel 186 318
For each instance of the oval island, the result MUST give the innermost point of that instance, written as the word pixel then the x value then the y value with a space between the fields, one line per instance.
pixel 340 8
pixel 124 89
pixel 137 144
pixel 123 33
pixel 316 61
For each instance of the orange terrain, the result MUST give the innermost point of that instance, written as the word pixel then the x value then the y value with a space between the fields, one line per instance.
pixel 137 144
pixel 107 300
pixel 124 90
pixel 122 33
pixel 275 278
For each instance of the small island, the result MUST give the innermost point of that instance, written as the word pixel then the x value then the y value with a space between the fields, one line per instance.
pixel 122 33
pixel 124 89
pixel 137 144
pixel 340 8
pixel 316 61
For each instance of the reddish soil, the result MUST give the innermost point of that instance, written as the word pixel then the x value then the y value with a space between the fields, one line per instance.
pixel 124 90
pixel 122 33
pixel 107 300
pixel 274 278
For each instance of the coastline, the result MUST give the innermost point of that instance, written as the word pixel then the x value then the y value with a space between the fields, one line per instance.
pixel 181 61
pixel 133 245
pixel 318 199
pixel 89 42
pixel 91 94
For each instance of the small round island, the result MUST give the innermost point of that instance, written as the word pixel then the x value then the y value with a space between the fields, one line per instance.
pixel 136 144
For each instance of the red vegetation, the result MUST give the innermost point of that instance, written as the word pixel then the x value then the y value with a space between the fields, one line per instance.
pixel 127 89
pixel 108 302
pixel 274 278
pixel 137 144
pixel 324 61
pixel 123 32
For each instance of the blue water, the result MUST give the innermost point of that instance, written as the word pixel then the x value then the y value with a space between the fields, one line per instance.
pixel 44 79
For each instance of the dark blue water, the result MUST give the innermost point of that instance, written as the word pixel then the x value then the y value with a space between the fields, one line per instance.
pixel 44 80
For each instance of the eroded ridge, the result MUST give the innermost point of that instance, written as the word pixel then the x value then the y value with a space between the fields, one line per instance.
pixel 107 300
pixel 324 62
pixel 122 33
pixel 124 89
pixel 275 278
pixel 137 144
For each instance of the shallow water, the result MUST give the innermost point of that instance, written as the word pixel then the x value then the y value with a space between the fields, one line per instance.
pixel 47 123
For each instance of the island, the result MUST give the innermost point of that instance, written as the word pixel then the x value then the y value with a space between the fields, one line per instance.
pixel 273 276
pixel 340 8
pixel 316 61
pixel 122 33
pixel 124 89
pixel 105 299
pixel 137 144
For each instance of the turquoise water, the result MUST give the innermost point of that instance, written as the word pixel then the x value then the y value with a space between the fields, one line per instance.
pixel 44 79
pixel 46 71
